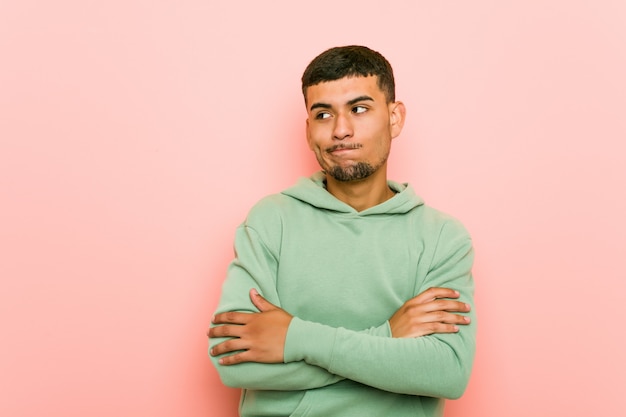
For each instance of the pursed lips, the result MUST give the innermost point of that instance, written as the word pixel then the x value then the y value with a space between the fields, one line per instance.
pixel 341 147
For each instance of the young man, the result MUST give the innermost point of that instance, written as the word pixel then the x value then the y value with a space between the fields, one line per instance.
pixel 348 296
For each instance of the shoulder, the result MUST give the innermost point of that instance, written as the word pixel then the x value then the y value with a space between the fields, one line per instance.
pixel 266 217
pixel 268 207
pixel 439 223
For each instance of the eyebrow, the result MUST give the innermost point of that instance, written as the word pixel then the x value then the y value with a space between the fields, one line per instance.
pixel 349 103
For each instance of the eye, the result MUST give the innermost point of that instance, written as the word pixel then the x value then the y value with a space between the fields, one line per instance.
pixel 359 109
pixel 322 115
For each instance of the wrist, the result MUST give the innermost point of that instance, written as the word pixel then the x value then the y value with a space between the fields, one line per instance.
pixel 310 342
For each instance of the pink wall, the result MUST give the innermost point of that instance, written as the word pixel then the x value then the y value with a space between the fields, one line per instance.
pixel 135 135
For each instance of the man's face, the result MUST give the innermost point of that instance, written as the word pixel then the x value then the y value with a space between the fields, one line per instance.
pixel 350 126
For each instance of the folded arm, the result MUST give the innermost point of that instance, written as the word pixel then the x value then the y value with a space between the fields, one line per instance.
pixel 257 268
pixel 437 365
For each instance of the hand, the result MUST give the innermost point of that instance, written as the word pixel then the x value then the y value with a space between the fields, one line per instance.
pixel 260 336
pixel 430 312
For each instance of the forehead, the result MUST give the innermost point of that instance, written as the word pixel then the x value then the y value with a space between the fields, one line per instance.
pixel 341 91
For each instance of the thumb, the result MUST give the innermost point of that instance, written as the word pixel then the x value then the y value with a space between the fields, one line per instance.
pixel 259 302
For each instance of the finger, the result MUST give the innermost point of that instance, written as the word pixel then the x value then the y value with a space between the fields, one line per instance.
pixel 446 305
pixel 244 356
pixel 439 328
pixel 232 345
pixel 435 317
pixel 259 302
pixel 463 319
pixel 434 293
pixel 414 306
pixel 225 331
pixel 444 317
pixel 231 317
pixel 235 359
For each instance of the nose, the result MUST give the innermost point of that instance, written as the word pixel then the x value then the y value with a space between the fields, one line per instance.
pixel 342 128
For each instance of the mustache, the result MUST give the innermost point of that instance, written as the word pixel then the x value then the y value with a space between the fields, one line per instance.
pixel 344 146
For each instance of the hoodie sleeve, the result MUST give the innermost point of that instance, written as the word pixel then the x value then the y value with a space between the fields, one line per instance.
pixel 255 266
pixel 437 365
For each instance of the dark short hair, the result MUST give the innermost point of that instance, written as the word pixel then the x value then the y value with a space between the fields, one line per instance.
pixel 350 61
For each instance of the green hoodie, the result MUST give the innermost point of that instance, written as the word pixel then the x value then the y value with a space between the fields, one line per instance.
pixel 342 274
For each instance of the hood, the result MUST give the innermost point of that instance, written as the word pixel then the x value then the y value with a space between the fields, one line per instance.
pixel 312 191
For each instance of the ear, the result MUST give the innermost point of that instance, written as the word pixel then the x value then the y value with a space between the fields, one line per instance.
pixel 397 115
pixel 308 134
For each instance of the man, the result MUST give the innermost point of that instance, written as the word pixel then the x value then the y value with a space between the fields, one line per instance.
pixel 348 296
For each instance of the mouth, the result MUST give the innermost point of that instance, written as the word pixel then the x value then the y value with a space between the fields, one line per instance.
pixel 343 147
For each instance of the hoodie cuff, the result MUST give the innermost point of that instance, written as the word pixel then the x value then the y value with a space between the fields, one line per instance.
pixel 309 342
pixel 384 330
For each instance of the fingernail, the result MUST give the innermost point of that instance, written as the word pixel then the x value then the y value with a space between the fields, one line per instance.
pixel 456 328
pixel 467 306
pixel 467 319
pixel 255 292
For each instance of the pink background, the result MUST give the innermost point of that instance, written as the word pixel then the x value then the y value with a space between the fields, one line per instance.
pixel 135 135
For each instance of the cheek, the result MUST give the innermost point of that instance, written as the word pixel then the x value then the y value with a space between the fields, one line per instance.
pixel 309 137
pixel 315 138
pixel 375 127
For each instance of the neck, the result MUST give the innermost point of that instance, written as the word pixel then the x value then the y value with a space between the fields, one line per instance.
pixel 361 194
